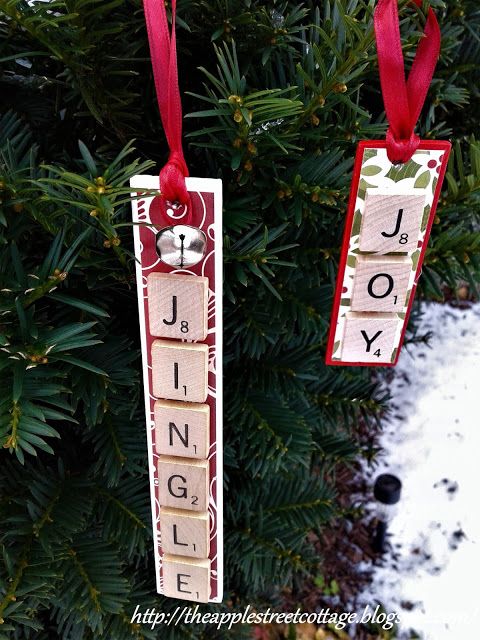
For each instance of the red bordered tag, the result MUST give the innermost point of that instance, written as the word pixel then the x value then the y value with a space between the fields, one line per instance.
pixel 370 261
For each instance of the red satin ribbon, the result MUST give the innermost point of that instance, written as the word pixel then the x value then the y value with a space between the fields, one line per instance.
pixel 163 51
pixel 403 100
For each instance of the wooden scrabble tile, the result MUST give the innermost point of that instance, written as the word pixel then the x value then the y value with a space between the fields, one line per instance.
pixel 369 337
pixel 178 306
pixel 391 222
pixel 186 578
pixel 182 428
pixel 180 370
pixel 185 533
pixel 183 483
pixel 380 284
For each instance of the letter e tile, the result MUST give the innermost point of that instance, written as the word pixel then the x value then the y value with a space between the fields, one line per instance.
pixel 186 578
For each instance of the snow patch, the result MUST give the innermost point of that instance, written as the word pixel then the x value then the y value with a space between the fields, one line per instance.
pixel 432 442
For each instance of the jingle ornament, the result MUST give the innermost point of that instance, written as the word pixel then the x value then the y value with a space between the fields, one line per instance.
pixel 178 250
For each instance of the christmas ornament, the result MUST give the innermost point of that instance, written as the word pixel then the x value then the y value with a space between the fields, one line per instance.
pixel 395 189
pixel 178 247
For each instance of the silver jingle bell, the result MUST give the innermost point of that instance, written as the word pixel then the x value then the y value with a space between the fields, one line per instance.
pixel 181 245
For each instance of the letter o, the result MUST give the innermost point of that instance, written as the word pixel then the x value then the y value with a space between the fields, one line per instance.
pixel 389 289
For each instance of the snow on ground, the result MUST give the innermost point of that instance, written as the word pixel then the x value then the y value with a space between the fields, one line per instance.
pixel 432 442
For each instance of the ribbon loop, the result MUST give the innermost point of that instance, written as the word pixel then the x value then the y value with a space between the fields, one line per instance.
pixel 172 179
pixel 163 51
pixel 400 151
pixel 403 99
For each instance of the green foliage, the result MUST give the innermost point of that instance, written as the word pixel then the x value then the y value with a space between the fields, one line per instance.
pixel 455 251
pixel 277 95
pixel 329 588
